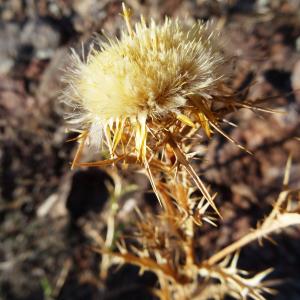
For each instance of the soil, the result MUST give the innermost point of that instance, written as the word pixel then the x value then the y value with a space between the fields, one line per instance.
pixel 45 253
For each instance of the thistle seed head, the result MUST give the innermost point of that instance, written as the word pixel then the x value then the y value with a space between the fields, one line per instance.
pixel 153 72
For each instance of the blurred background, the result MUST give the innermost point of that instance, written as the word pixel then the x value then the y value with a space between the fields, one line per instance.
pixel 44 252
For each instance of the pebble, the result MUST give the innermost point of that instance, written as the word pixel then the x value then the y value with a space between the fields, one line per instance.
pixel 296 80
pixel 298 43
pixel 42 36
pixel 9 32
pixel 36 39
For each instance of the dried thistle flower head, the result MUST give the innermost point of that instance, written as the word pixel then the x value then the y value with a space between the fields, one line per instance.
pixel 149 73
pixel 145 93
pixel 152 73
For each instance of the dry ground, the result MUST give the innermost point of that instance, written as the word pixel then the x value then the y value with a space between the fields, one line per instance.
pixel 44 254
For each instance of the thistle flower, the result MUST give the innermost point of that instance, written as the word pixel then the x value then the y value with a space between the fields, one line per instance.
pixel 142 95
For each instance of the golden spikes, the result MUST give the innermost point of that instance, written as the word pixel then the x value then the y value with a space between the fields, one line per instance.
pixel 186 120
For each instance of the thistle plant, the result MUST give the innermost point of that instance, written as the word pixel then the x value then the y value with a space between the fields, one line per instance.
pixel 145 99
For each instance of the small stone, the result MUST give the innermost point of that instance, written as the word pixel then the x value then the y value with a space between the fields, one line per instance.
pixel 6 64
pixel 9 32
pixel 42 36
pixel 296 80
pixel 50 84
pixel 298 44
